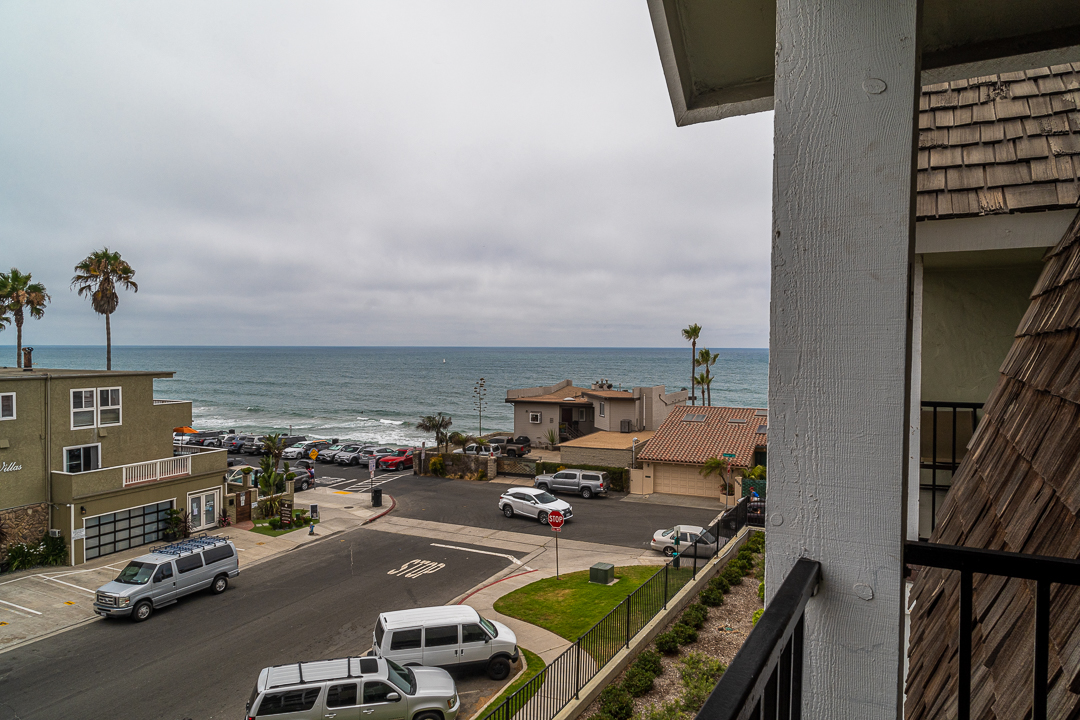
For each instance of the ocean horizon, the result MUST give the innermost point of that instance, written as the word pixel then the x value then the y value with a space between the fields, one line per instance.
pixel 377 393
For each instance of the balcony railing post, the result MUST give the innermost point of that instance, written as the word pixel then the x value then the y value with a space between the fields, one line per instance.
pixel 577 671
pixel 665 585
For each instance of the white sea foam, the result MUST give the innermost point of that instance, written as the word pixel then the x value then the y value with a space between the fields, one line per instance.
pixel 392 422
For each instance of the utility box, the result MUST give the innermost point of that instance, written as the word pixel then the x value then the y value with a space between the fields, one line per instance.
pixel 603 573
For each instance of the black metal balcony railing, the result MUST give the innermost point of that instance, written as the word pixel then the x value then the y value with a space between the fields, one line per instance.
pixel 765 678
pixel 951 425
pixel 1043 570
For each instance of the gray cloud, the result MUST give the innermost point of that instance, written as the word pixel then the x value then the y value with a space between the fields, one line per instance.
pixel 377 173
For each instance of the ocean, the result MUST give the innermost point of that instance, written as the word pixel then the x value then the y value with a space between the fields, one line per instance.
pixel 376 394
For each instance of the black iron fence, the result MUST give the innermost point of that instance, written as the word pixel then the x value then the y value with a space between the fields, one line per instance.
pixel 548 692
pixel 946 428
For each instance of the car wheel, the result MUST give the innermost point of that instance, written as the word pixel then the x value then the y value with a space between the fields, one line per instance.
pixel 542 517
pixel 220 583
pixel 669 551
pixel 427 716
pixel 142 611
pixel 498 668
pixel 508 511
pixel 304 486
pixel 511 453
pixel 354 461
pixel 586 492
pixel 542 486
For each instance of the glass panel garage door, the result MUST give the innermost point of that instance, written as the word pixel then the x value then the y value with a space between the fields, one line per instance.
pixel 125 529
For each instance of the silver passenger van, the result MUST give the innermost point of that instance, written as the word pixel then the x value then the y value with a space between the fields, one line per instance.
pixel 166 573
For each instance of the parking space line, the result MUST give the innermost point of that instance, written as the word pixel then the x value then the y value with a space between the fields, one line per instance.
pixel 20 607
pixel 511 558
pixel 77 587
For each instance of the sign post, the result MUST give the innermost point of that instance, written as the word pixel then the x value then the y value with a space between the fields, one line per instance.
pixel 555 521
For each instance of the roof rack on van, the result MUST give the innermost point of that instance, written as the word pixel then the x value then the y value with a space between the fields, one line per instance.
pixel 321 671
pixel 190 545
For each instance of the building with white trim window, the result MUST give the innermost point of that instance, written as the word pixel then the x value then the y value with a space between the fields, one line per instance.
pixel 90 454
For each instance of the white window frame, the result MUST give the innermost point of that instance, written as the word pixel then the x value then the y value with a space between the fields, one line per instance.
pixel 119 408
pixel 14 412
pixel 602 409
pixel 79 447
pixel 535 417
pixel 72 409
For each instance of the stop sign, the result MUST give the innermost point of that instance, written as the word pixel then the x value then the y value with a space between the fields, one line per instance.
pixel 555 519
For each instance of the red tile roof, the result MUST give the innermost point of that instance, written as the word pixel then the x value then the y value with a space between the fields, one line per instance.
pixel 680 441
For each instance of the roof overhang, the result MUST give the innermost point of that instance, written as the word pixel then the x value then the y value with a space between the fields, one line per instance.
pixel 718 57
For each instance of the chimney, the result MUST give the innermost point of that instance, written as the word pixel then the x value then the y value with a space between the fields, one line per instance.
pixel 28 361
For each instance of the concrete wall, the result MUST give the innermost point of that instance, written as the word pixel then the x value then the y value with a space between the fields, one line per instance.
pixel 970 315
pixel 615 411
pixel 549 420
pixel 23 480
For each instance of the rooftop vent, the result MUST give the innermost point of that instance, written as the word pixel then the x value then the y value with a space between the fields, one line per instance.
pixel 761 413
pixel 762 429
pixel 693 417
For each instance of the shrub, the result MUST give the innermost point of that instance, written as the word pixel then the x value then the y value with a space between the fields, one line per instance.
pixel 761 590
pixel 668 711
pixel 53 550
pixel 274 523
pixel 616 702
pixel 757 615
pixel 721 584
pixel 699 674
pixel 437 466
pixel 685 634
pixel 694 615
pixel 301 518
pixel 667 643
pixel 22 556
pixel 638 680
pixel 649 660
pixel 756 542
pixel 711 596
pixel 732 575
pixel 482 475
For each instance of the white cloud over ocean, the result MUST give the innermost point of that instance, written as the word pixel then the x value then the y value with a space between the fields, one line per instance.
pixel 405 173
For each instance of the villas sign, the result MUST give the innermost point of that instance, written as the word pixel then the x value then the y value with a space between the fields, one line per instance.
pixel 10 467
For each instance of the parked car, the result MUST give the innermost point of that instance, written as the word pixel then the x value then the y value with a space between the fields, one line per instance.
pixel 400 459
pixel 755 513
pixel 236 445
pixel 510 447
pixel 331 455
pixel 157 579
pixel 584 482
pixel 257 447
pixel 303 449
pixel 364 455
pixel 445 636
pixel 236 474
pixel 693 540
pixel 477 449
pixel 353 687
pixel 531 502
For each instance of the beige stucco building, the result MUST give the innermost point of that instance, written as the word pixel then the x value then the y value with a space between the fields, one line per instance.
pixel 90 454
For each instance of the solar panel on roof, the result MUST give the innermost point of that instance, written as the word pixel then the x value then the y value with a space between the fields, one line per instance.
pixel 693 417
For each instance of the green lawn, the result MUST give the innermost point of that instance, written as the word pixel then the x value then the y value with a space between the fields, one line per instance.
pixel 535 665
pixel 263 528
pixel 570 605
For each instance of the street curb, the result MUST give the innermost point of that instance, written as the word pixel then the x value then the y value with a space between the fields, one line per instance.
pixel 393 504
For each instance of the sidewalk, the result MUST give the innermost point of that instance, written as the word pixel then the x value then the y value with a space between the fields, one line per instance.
pixel 41 602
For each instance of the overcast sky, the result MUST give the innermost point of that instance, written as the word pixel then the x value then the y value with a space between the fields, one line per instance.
pixel 375 173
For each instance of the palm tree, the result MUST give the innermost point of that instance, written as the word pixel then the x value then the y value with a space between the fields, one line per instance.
pixel 707 358
pixel 719 467
pixel 274 444
pixel 704 381
pixel 438 424
pixel 98 276
pixel 19 294
pixel 458 439
pixel 692 334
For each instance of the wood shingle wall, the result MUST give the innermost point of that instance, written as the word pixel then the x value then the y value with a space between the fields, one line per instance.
pixel 1018 490
pixel 1000 143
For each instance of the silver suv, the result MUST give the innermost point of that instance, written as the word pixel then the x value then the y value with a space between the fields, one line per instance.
pixel 354 687
pixel 585 482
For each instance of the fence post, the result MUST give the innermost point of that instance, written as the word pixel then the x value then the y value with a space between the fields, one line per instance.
pixel 628 599
pixel 693 575
pixel 577 671
pixel 665 585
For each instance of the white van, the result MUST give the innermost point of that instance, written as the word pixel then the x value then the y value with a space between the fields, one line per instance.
pixel 446 636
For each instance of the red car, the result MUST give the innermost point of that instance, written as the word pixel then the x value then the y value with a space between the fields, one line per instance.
pixel 399 460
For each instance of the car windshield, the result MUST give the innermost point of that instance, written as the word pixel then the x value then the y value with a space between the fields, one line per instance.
pixel 490 627
pixel 334 447
pixel 298 445
pixel 544 498
pixel 402 677
pixel 667 533
pixel 136 573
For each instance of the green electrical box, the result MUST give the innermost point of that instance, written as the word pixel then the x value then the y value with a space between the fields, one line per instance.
pixel 603 573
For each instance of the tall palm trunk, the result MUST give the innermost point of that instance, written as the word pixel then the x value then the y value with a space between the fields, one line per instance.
pixel 108 342
pixel 693 367
pixel 18 336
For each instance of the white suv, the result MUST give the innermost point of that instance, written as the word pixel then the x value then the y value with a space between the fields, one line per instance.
pixel 533 502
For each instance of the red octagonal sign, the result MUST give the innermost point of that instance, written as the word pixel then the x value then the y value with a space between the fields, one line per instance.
pixel 555 519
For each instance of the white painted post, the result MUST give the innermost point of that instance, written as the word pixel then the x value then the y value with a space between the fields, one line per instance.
pixel 843 234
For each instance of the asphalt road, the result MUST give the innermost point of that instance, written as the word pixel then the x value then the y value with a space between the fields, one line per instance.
pixel 605 520
pixel 200 657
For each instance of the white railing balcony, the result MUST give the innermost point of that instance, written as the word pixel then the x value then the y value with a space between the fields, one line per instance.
pixel 155 470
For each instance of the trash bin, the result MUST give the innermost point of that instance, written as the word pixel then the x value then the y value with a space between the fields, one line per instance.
pixel 376 497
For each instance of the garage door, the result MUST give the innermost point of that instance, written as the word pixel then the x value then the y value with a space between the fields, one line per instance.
pixel 685 480
pixel 125 529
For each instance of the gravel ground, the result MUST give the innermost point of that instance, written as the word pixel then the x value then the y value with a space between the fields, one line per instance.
pixel 721 637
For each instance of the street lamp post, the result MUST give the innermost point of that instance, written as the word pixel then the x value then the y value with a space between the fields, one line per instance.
pixel 479 402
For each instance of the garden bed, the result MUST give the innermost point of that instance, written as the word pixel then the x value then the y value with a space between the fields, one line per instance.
pixel 263 528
